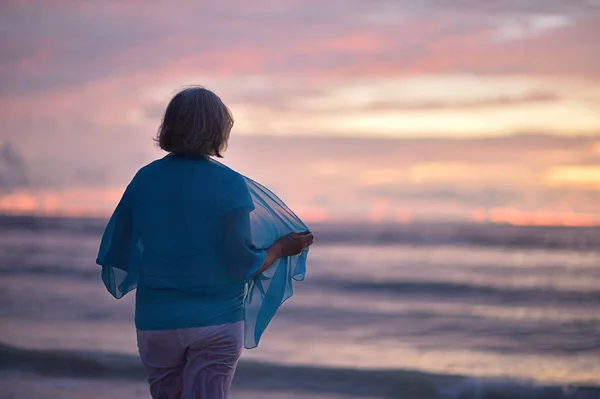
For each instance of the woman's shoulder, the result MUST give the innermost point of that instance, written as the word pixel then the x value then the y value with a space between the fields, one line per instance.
pixel 208 168
pixel 149 168
pixel 225 173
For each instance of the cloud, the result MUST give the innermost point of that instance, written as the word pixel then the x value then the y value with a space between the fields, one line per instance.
pixel 13 172
pixel 483 197
pixel 432 105
pixel 578 175
pixel 105 67
pixel 539 97
pixel 48 45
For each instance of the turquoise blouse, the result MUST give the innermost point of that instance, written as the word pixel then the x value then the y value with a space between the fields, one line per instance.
pixel 190 234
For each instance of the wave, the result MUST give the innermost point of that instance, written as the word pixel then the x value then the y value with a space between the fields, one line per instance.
pixel 430 233
pixel 91 226
pixel 464 234
pixel 267 376
pixel 92 273
pixel 439 289
pixel 442 289
pixel 445 289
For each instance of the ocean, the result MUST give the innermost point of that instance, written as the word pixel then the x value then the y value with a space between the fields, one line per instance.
pixel 422 310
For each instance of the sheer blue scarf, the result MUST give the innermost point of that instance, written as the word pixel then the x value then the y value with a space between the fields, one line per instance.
pixel 266 292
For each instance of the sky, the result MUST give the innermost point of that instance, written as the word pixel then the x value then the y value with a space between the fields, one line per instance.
pixel 374 110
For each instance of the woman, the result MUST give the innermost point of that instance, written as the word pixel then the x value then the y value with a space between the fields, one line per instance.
pixel 181 235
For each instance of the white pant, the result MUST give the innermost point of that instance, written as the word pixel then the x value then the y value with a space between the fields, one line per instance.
pixel 191 363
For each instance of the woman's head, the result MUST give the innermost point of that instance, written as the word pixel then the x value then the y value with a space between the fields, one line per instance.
pixel 196 122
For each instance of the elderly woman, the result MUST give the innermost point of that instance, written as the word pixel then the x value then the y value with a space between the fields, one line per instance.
pixel 181 235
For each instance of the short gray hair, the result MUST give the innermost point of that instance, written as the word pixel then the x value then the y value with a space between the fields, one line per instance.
pixel 196 122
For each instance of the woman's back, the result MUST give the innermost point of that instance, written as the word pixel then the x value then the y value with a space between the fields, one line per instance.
pixel 180 203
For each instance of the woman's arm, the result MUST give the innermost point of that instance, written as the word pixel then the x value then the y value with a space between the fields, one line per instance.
pixel 273 253
pixel 119 237
pixel 241 258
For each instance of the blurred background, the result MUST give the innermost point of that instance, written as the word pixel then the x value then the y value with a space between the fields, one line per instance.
pixel 446 154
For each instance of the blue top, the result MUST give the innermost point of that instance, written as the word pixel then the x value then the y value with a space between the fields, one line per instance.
pixel 188 234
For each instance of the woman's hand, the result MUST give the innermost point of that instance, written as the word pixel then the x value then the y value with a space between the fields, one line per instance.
pixel 294 243
pixel 288 245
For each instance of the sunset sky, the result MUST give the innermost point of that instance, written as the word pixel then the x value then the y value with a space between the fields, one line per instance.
pixel 373 110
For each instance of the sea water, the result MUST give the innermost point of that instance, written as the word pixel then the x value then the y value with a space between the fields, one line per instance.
pixel 424 310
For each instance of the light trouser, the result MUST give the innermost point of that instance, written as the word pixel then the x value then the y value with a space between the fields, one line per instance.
pixel 191 363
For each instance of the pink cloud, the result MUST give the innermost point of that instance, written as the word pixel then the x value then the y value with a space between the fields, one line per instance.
pixel 63 44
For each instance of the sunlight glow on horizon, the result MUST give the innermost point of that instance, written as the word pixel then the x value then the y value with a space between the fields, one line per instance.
pixel 517 217
pixel 99 203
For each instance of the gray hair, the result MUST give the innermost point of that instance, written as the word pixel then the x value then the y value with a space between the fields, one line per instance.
pixel 196 122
